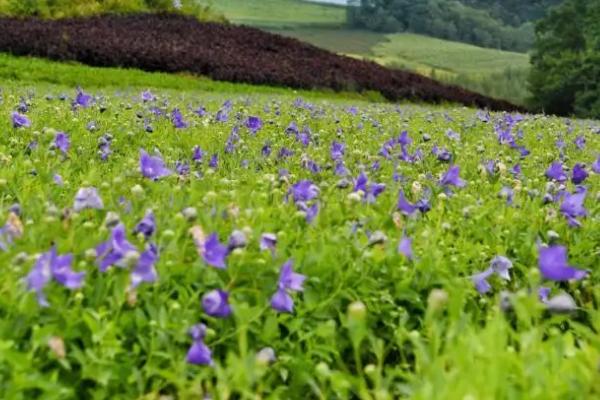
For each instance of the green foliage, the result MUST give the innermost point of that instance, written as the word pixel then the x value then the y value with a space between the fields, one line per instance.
pixel 565 75
pixel 279 14
pixel 496 73
pixel 497 24
pixel 74 8
pixel 370 324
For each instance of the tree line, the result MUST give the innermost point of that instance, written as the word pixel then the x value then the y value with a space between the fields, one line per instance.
pixel 502 24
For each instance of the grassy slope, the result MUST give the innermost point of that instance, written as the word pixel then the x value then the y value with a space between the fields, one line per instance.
pixel 279 13
pixel 492 72
pixel 35 70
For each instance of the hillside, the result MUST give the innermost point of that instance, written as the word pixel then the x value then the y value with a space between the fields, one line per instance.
pixel 176 43
pixel 495 73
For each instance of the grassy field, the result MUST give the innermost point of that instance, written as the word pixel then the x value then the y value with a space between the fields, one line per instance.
pixel 279 13
pixel 399 296
pixel 496 73
pixel 30 70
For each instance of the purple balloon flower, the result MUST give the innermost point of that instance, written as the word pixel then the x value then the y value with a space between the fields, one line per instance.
pixel 20 120
pixel 254 124
pixel 572 207
pixel 404 206
pixel 555 171
pixel 213 252
pixel 177 119
pixel 216 303
pixel 145 270
pixel 199 353
pixel 268 241
pixel 405 247
pixel 304 191
pixel 452 177
pixel 147 225
pixel 596 166
pixel 50 265
pixel 500 266
pixel 288 281
pixel 114 250
pixel 214 161
pixel 147 96
pixel 152 167
pixel 197 154
pixel 82 99
pixel 87 198
pixel 580 142
pixel 337 150
pixel 579 174
pixel 553 265
pixel 61 141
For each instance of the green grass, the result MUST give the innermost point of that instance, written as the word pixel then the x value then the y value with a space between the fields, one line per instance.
pixel 370 323
pixel 279 13
pixel 29 70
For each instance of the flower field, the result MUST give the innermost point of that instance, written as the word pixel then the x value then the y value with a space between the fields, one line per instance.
pixel 160 245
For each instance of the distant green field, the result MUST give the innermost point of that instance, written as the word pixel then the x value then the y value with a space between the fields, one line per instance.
pixel 279 13
pixel 496 73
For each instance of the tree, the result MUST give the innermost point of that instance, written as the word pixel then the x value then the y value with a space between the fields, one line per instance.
pixel 565 72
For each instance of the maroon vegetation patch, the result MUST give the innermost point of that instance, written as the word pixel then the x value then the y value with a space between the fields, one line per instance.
pixel 176 43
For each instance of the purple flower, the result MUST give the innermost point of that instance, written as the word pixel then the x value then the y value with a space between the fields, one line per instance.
pixel 266 150
pixel 572 207
pixel 288 281
pixel 114 250
pixel 182 168
pixel 516 170
pixel 237 240
pixel 580 142
pixel 213 252
pixel 50 265
pixel 20 120
pixel 340 169
pixel 553 265
pixel 104 147
pixel 222 116
pixel 147 225
pixel 87 198
pixel 453 135
pixel 337 150
pixel 197 154
pixel 253 124
pixel 268 241
pixel 451 177
pixel 442 154
pixel 490 167
pixel 501 266
pixel 145 270
pixel 555 171
pixel 596 166
pixel 404 205
pixel 61 141
pixel 147 96
pixel 480 281
pixel 284 152
pixel 371 191
pixel 360 183
pixel 199 353
pixel 82 99
pixel 579 174
pixel 507 193
pixel 152 167
pixel 58 179
pixel 177 119
pixel 303 191
pixel 216 304
pixel 214 161
pixel 405 247
pixel 310 211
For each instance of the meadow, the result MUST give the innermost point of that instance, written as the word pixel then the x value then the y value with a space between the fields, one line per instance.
pixel 169 237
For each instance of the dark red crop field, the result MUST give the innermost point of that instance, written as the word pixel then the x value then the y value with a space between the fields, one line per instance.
pixel 175 43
